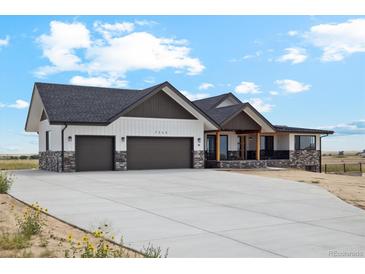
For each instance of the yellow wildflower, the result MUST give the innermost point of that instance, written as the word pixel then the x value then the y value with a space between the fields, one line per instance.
pixel 85 238
pixel 69 237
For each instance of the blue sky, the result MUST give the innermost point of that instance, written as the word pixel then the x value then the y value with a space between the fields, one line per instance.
pixel 306 71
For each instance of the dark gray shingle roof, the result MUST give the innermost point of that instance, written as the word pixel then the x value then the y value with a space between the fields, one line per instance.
pixel 301 130
pixel 82 104
pixel 220 115
pixel 208 103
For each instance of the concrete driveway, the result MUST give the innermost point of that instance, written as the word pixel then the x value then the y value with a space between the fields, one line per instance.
pixel 202 213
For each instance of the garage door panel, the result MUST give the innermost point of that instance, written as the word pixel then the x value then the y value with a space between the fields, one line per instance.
pixel 159 153
pixel 94 153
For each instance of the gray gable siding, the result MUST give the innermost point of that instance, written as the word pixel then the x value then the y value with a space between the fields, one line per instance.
pixel 241 122
pixel 160 105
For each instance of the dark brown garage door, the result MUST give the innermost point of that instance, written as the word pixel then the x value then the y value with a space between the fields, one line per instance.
pixel 159 153
pixel 94 153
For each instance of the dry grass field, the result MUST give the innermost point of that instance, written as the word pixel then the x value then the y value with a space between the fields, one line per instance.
pixel 13 164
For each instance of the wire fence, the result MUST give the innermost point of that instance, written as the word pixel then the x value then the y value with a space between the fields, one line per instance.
pixel 343 168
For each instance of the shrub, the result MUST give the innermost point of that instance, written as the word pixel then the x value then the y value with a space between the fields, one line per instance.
pixel 5 182
pixel 13 241
pixel 32 221
pixel 23 157
pixel 34 157
pixel 154 252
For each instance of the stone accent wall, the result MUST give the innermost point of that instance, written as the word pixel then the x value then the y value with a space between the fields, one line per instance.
pixel 305 158
pixel 120 160
pixel 50 160
pixel 198 160
pixel 69 161
pixel 247 164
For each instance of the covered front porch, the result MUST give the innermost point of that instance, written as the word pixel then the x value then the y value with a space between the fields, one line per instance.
pixel 246 148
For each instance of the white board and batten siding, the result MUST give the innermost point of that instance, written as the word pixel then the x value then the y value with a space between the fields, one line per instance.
pixel 124 127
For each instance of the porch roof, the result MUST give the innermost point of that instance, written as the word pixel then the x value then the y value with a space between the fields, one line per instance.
pixel 281 128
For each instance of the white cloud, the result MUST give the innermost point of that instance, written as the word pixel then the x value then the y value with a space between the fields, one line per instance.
pixel 145 22
pixel 98 81
pixel 4 42
pixel 294 55
pixel 19 104
pixel 114 54
pixel 110 30
pixel 194 96
pixel 150 80
pixel 247 87
pixel 142 50
pixel 292 86
pixel 274 93
pixel 352 128
pixel 293 33
pixel 204 86
pixel 338 40
pixel 59 47
pixel 260 105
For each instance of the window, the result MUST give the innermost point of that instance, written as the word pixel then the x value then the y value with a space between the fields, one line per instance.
pixel 47 140
pixel 224 147
pixel 305 142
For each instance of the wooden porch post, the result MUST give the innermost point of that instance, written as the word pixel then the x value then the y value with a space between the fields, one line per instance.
pixel 258 146
pixel 218 145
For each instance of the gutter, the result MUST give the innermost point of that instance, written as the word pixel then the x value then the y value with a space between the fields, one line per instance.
pixel 63 148
pixel 320 152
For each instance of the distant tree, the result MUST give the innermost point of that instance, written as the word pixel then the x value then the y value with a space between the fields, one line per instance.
pixel 23 157
pixel 341 153
pixel 34 156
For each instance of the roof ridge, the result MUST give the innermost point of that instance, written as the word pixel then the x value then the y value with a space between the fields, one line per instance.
pixel 92 87
pixel 219 95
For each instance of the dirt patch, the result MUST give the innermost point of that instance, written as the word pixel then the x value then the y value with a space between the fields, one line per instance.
pixel 348 188
pixel 53 239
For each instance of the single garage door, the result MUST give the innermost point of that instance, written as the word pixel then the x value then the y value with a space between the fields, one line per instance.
pixel 94 153
pixel 159 153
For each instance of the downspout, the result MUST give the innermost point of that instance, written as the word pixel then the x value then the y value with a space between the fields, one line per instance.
pixel 63 148
pixel 320 152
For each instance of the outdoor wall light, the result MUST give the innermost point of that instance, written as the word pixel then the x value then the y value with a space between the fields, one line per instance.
pixel 69 138
pixel 123 139
pixel 199 139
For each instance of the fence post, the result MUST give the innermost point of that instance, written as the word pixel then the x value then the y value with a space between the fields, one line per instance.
pixel 344 168
pixel 325 168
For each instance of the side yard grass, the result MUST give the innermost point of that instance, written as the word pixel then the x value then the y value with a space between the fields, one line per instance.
pixel 348 188
pixel 13 164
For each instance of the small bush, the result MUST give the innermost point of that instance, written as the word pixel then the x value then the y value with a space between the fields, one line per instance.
pixel 5 182
pixel 23 157
pixel 154 252
pixel 315 182
pixel 32 221
pixel 13 241
pixel 34 157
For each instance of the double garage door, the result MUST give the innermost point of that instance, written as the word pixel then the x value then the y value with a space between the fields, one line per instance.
pixel 97 153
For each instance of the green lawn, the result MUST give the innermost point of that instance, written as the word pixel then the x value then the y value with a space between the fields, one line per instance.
pixel 18 164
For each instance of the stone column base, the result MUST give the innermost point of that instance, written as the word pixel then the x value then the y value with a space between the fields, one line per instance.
pixel 198 160
pixel 120 160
